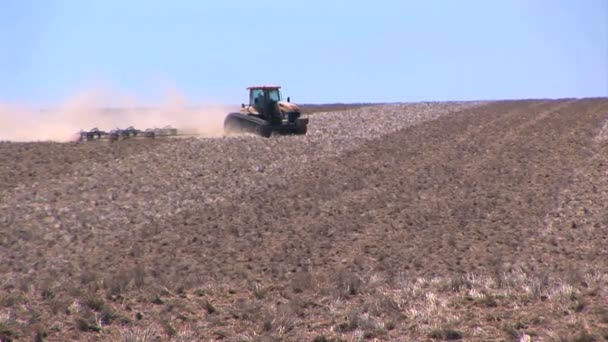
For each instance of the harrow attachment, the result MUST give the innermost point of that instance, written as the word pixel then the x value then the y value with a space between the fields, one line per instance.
pixel 93 134
pixel 127 133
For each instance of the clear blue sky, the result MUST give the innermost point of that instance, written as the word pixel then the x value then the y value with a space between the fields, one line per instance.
pixel 320 51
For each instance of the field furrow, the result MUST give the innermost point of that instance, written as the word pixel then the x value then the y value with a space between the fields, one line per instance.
pixel 474 221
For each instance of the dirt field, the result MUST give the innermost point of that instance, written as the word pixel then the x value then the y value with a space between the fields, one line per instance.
pixel 432 221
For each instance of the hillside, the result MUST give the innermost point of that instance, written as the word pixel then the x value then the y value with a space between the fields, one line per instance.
pixel 428 221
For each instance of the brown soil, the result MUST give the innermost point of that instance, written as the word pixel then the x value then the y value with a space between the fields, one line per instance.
pixel 331 107
pixel 25 163
pixel 486 224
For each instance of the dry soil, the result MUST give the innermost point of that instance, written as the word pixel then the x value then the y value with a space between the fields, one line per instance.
pixel 426 221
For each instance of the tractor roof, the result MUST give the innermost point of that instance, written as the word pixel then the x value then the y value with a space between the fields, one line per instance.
pixel 264 87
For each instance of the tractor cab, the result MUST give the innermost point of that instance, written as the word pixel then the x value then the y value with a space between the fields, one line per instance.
pixel 266 93
pixel 265 99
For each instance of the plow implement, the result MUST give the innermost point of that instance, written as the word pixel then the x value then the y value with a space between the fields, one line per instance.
pixel 128 133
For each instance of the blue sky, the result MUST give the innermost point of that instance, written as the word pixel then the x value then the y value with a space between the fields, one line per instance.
pixel 320 51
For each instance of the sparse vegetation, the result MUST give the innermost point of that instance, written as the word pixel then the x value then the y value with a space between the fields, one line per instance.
pixel 393 225
pixel 6 332
pixel 210 307
pixel 446 334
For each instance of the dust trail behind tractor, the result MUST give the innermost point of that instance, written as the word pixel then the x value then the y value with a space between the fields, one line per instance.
pixel 266 114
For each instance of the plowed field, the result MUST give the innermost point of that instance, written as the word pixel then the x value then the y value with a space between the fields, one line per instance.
pixel 429 221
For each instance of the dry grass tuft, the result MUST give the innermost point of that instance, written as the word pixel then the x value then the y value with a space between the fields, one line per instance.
pixel 446 334
pixel 147 334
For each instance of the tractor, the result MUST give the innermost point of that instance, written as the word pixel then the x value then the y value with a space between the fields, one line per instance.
pixel 266 114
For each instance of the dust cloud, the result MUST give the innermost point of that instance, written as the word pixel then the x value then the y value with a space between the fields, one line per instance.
pixel 107 110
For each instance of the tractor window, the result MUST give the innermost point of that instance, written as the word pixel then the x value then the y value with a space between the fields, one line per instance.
pixel 255 94
pixel 274 95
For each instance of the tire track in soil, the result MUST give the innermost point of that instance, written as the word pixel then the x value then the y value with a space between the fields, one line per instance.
pixel 466 142
pixel 576 228
pixel 470 205
pixel 508 176
pixel 466 139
